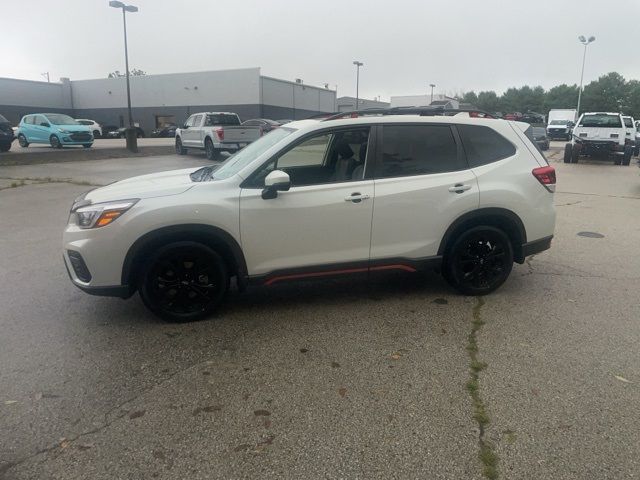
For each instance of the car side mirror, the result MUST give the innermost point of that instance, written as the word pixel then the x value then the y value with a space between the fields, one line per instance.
pixel 185 126
pixel 274 182
pixel 45 124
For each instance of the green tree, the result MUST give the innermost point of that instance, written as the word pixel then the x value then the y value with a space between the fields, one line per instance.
pixel 488 101
pixel 561 96
pixel 608 94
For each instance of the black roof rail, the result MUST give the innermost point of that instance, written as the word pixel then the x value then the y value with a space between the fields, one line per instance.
pixel 422 111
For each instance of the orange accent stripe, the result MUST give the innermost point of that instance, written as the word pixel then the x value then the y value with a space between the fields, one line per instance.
pixel 406 268
pixel 273 280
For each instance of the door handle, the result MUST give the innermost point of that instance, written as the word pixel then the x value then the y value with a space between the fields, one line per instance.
pixel 356 197
pixel 459 188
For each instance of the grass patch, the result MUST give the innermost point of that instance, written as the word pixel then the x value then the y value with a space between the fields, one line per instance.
pixel 486 453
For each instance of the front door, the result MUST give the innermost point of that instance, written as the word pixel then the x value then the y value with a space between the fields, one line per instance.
pixel 323 223
pixel 423 184
pixel 39 132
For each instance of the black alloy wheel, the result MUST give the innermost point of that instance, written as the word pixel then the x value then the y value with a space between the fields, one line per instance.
pixel 22 140
pixel 55 141
pixel 479 261
pixel 184 281
pixel 209 149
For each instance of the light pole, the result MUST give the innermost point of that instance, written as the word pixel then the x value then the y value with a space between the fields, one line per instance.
pixel 131 133
pixel 358 65
pixel 585 42
pixel 432 85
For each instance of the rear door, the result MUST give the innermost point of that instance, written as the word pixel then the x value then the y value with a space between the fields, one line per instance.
pixel 422 184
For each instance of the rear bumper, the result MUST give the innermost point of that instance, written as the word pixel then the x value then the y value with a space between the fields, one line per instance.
pixel 536 246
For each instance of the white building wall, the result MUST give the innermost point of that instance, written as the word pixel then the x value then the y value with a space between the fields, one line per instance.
pixel 35 94
pixel 224 87
pixel 297 96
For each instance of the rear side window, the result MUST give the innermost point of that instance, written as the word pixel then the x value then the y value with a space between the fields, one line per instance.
pixel 418 150
pixel 484 145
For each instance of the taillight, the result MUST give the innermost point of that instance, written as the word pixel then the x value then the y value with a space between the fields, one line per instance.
pixel 546 176
pixel 220 133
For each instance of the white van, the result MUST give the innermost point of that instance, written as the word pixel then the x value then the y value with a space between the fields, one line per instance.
pixel 560 123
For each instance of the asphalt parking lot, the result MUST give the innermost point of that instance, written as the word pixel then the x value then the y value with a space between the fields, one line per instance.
pixel 326 379
pixel 99 143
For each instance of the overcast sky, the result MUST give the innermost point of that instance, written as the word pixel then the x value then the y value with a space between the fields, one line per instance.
pixel 459 45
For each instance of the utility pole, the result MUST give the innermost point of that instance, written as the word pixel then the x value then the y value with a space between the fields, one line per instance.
pixel 358 65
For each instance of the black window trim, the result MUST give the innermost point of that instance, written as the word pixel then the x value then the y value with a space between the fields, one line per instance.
pixel 378 164
pixel 371 157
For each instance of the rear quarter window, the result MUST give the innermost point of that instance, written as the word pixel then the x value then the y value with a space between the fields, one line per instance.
pixel 484 145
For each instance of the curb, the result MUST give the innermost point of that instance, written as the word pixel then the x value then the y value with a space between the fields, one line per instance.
pixel 75 155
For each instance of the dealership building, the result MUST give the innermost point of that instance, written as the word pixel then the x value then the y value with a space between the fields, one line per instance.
pixel 159 100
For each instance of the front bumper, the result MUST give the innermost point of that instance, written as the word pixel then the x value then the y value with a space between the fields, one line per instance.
pixel 120 291
pixel 594 147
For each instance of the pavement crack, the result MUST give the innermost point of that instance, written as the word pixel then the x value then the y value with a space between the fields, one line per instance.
pixel 25 181
pixel 486 450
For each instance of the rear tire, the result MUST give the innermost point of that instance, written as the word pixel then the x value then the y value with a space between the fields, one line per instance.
pixel 568 153
pixel 22 141
pixel 210 150
pixel 183 282
pixel 180 150
pixel 479 260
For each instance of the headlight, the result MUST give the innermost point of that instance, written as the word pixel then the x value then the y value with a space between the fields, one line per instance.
pixel 102 214
pixel 62 130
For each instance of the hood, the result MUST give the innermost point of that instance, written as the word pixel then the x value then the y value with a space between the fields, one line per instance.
pixel 172 182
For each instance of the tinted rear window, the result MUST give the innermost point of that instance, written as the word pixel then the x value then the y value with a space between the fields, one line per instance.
pixel 418 150
pixel 222 119
pixel 601 120
pixel 484 145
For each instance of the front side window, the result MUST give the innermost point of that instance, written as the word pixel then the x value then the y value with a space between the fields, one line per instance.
pixel 418 150
pixel 40 120
pixel 331 157
pixel 196 120
pixel 85 122
pixel 627 122
pixel 484 145
pixel 189 122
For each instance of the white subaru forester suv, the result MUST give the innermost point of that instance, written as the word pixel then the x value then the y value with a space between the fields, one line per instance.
pixel 358 193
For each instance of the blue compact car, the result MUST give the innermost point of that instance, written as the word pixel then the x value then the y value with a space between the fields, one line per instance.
pixel 55 129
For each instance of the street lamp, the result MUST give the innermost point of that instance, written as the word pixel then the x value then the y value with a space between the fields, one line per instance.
pixel 585 42
pixel 358 65
pixel 432 85
pixel 130 133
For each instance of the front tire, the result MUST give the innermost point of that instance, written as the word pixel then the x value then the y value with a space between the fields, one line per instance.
pixel 22 141
pixel 183 282
pixel 55 141
pixel 626 158
pixel 180 150
pixel 568 153
pixel 479 260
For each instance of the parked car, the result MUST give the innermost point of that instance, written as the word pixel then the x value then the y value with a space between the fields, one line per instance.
pixel 95 126
pixel 631 133
pixel 320 198
pixel 599 134
pixel 56 129
pixel 540 137
pixel 107 129
pixel 164 132
pixel 560 123
pixel 214 132
pixel 533 118
pixel 6 134
pixel 120 132
pixel 284 121
pixel 265 124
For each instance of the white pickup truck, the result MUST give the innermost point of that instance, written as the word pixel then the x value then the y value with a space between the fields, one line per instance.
pixel 214 132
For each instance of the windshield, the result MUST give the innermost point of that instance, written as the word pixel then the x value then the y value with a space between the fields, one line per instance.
pixel 559 122
pixel 248 154
pixel 628 122
pixel 600 120
pixel 59 119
